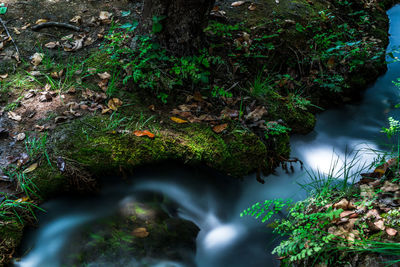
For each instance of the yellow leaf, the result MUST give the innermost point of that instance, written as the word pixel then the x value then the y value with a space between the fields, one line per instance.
pixel 31 168
pixel 40 21
pixel 178 120
pixel 114 104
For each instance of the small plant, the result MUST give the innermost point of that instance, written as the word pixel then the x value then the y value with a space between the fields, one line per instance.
pixel 275 128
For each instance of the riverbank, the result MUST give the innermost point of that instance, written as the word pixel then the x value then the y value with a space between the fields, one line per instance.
pixel 74 123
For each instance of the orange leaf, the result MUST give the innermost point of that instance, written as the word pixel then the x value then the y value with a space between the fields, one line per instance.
pixel 140 232
pixel 144 133
pixel 220 128
pixel 178 120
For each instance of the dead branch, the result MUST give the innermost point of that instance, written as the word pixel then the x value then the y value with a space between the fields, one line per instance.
pixel 55 24
pixel 9 36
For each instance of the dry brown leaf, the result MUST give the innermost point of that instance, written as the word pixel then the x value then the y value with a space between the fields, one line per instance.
pixel 76 19
pixel 257 113
pixel 103 85
pixel 114 103
pixel 391 231
pixel 31 168
pixel 152 108
pixel 25 26
pixel 37 58
pixel 3 76
pixel 14 116
pixel 20 136
pixel 144 133
pixel 52 45
pixel 390 187
pixel 220 128
pixel 73 46
pixel 346 213
pixel 16 31
pixel 380 224
pixel 178 120
pixel 140 232
pixel 237 3
pixel 105 16
pixel 60 119
pixel 342 204
pixel 252 7
pixel 104 75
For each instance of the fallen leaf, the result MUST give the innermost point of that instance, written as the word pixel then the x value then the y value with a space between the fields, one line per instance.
pixel 16 31
pixel 104 75
pixel 252 7
pixel 140 232
pixel 346 213
pixel 3 76
pixel 220 128
pixel 391 231
pixel 37 58
pixel 103 84
pixel 237 3
pixel 52 45
pixel 144 133
pixel 40 21
pixel 60 119
pixel 20 136
pixel 178 120
pixel 14 116
pixel 152 108
pixel 76 19
pixel 257 113
pixel 31 168
pixel 390 187
pixel 114 103
pixel 342 204
pixel 73 46
pixel 380 224
pixel 105 16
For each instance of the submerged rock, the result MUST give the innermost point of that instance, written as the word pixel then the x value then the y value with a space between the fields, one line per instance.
pixel 140 234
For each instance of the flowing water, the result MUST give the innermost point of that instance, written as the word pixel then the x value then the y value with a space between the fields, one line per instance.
pixel 214 203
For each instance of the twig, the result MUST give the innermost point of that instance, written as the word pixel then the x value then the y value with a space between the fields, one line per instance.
pixel 55 24
pixel 9 36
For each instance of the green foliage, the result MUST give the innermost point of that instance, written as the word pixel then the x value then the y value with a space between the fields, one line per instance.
pixel 275 128
pixel 222 30
pixel 308 236
pixel 9 209
pixel 267 209
pixel 150 66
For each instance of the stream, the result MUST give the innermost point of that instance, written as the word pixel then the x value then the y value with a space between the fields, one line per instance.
pixel 214 202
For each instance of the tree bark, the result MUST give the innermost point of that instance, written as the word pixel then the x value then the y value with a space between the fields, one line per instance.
pixel 182 23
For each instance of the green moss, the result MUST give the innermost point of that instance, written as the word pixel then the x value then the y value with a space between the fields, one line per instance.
pixel 48 180
pixel 106 153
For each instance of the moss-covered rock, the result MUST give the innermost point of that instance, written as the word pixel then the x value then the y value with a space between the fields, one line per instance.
pixel 101 152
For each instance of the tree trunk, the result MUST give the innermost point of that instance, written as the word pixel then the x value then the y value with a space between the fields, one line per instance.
pixel 180 23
